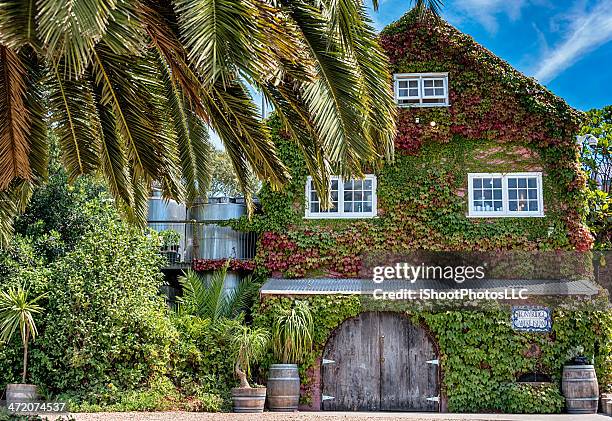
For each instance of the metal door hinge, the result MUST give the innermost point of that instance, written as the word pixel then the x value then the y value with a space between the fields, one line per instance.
pixel 327 398
pixel 326 361
pixel 434 362
pixel 434 399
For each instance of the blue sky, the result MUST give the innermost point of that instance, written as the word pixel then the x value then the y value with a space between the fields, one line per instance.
pixel 565 44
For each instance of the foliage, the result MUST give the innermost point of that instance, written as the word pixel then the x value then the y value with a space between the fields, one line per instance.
pixel 481 356
pixel 499 121
pixel 130 87
pixel 208 298
pixel 247 344
pixel 236 265
pixel 292 333
pixel 596 159
pixel 17 312
pixel 533 399
pixel 169 238
pixel 223 179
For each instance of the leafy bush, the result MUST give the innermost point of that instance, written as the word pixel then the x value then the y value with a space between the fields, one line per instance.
pixel 106 322
pixel 533 399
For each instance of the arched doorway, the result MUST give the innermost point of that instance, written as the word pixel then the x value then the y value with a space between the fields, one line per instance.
pixel 380 361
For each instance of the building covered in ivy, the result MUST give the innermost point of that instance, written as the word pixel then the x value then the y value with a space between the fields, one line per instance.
pixel 486 175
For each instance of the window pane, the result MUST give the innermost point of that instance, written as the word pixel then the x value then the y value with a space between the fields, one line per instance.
pixel 428 83
pixel 403 83
pixel 477 194
pixel 314 207
pixel 313 196
pixel 348 206
pixel 512 183
pixel 413 83
pixel 488 194
pixel 533 205
pixel 439 91
pixel 348 196
pixel 497 183
pixel 357 207
pixel 522 182
pixel 357 196
pixel 439 83
pixel 404 92
pixel 367 185
pixel 334 196
pixel 532 182
pixel 413 92
pixel 477 183
pixel 357 184
pixel 334 185
pixel 348 185
pixel 498 205
pixel 367 207
pixel 428 92
pixel 512 194
pixel 497 194
pixel 533 194
pixel 512 205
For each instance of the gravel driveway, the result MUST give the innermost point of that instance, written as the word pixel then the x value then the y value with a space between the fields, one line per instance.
pixel 325 416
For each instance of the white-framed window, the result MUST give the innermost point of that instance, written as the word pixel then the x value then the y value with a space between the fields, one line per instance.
pixel 421 89
pixel 505 195
pixel 351 198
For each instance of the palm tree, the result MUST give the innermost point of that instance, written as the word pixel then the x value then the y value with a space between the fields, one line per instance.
pixel 248 344
pixel 130 87
pixel 209 300
pixel 17 313
pixel 293 332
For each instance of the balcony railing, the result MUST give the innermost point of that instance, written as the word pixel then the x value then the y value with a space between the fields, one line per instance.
pixel 206 240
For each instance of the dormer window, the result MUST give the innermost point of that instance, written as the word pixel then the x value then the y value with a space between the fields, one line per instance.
pixel 421 89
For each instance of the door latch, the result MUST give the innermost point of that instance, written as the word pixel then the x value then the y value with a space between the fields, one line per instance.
pixel 433 362
pixel 327 398
pixel 326 361
pixel 434 399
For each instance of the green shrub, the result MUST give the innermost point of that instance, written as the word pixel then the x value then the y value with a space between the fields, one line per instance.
pixel 105 321
pixel 533 399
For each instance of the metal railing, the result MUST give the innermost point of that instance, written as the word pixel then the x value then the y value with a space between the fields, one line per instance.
pixel 208 240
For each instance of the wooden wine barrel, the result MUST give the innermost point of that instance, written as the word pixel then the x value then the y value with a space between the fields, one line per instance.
pixel 580 388
pixel 249 400
pixel 283 387
pixel 19 392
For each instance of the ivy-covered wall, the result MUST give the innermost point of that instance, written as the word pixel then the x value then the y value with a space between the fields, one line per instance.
pixel 481 356
pixel 498 121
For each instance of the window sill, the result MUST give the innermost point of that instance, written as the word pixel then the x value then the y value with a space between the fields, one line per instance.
pixel 338 216
pixel 422 105
pixel 538 215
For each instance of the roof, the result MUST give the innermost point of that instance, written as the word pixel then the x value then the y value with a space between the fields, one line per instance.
pixel 354 286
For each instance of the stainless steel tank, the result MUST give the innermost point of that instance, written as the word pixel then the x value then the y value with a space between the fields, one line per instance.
pixel 208 240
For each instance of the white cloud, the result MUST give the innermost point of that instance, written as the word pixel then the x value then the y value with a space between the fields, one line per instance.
pixel 486 12
pixel 587 30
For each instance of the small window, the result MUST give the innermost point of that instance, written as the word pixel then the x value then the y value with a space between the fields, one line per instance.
pixel 353 198
pixel 421 89
pixel 513 194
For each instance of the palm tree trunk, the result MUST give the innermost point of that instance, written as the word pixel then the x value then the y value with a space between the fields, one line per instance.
pixel 242 376
pixel 25 355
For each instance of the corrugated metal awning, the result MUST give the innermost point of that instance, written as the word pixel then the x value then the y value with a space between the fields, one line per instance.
pixel 317 286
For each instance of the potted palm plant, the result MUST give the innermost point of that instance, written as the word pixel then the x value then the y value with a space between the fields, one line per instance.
pixel 248 345
pixel 17 312
pixel 292 334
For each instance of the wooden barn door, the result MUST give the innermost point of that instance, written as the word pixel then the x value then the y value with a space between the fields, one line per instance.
pixel 379 361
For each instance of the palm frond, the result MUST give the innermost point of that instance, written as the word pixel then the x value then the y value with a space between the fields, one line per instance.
pixel 14 119
pixel 334 98
pixel 73 117
pixel 428 6
pixel 17 25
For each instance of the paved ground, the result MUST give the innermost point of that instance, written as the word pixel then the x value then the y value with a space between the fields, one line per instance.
pixel 327 416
